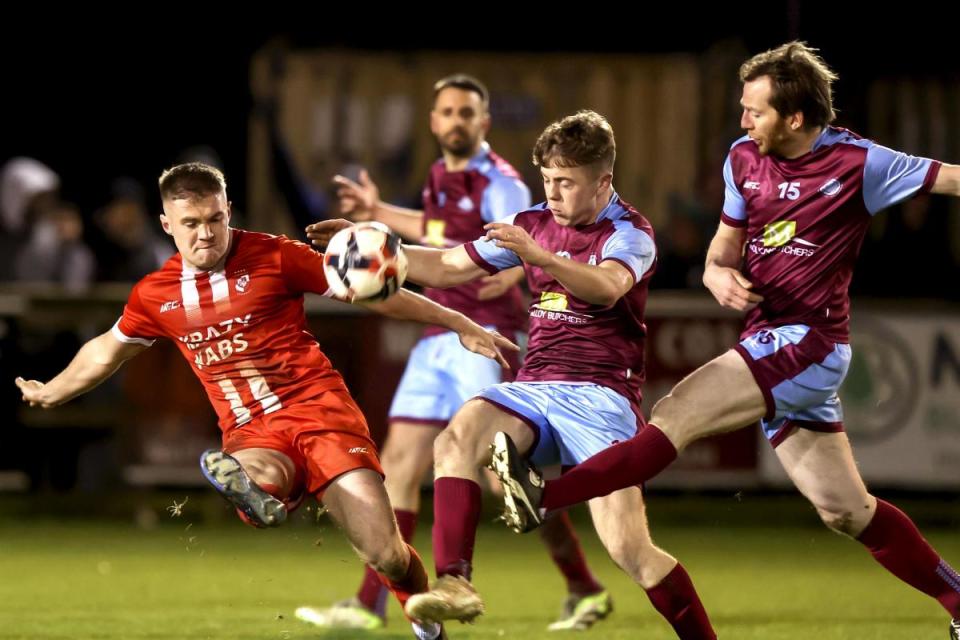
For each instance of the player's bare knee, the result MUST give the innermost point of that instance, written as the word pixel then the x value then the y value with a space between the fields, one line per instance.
pixel 840 520
pixel 390 560
pixel 631 566
pixel 400 478
pixel 391 456
pixel 269 469
pixel 396 465
pixel 454 449
pixel 645 563
pixel 446 444
pixel 266 474
pixel 625 555
pixel 673 416
pixel 845 515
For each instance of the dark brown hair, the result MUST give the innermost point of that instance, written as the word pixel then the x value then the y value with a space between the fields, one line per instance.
pixel 800 81
pixel 583 139
pixel 464 82
pixel 191 181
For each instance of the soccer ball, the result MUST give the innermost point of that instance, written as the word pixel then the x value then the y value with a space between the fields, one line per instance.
pixel 365 262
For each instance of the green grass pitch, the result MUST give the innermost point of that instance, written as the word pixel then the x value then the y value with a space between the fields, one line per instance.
pixel 196 576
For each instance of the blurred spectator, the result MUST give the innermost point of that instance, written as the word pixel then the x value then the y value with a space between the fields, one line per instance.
pixel 305 202
pixel 55 251
pixel 917 228
pixel 682 250
pixel 682 241
pixel 27 188
pixel 127 245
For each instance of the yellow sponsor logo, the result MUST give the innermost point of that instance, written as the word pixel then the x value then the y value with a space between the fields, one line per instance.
pixel 552 301
pixel 777 234
pixel 435 237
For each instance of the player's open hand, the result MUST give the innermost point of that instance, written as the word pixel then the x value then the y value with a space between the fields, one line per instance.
pixel 517 239
pixel 358 200
pixel 730 288
pixel 487 343
pixel 320 233
pixel 32 391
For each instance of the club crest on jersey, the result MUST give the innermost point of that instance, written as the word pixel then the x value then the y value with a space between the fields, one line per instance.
pixel 831 187
pixel 777 234
pixel 170 305
pixel 242 283
pixel 465 204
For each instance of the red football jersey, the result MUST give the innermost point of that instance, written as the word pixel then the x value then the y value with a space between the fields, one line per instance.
pixel 243 327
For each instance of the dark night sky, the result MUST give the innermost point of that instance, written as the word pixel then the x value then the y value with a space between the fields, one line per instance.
pixel 95 102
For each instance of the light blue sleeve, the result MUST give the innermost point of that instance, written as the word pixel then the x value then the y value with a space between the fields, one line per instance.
pixel 495 256
pixel 891 176
pixel 734 205
pixel 632 247
pixel 504 196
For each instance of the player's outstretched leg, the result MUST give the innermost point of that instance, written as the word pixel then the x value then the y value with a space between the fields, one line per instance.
pixel 358 502
pixel 406 456
pixel 720 396
pixel 228 477
pixel 822 466
pixel 621 523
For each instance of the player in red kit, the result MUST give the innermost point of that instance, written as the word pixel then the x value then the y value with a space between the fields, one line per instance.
pixel 232 301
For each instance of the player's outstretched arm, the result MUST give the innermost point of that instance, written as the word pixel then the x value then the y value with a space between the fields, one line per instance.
pixel 406 305
pixel 722 275
pixel 441 268
pixel 948 180
pixel 361 201
pixel 96 361
pixel 438 268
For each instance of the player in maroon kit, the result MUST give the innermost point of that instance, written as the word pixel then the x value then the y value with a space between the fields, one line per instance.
pixel 588 256
pixel 467 187
pixel 800 195
pixel 232 301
